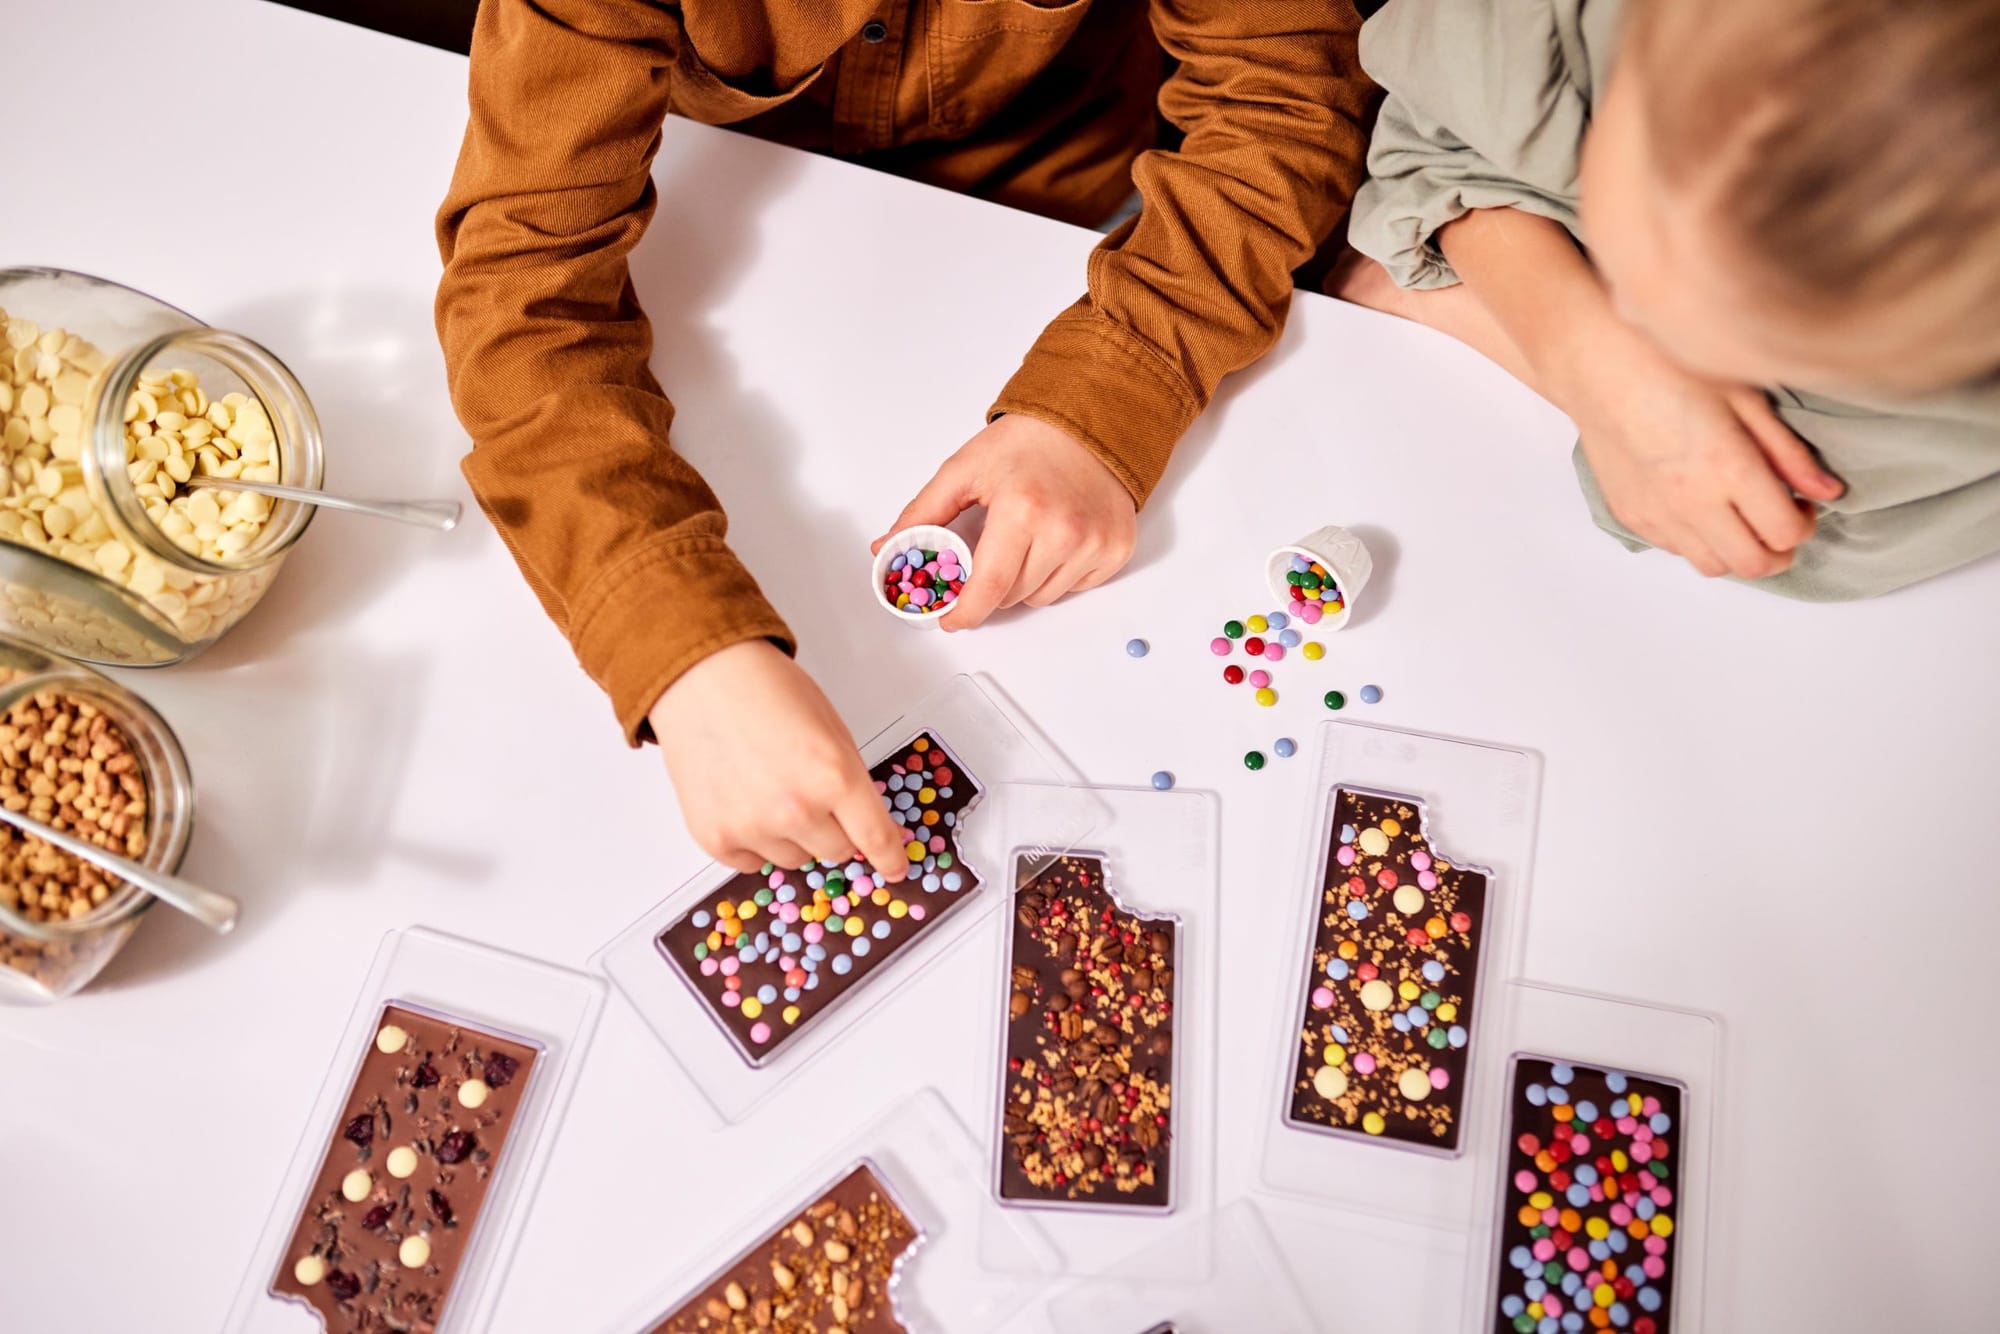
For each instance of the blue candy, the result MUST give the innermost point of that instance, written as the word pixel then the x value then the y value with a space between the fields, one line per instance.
pixel 1520 1258
pixel 1339 1033
pixel 812 981
pixel 815 952
pixel 842 964
pixel 1600 1251
pixel 1586 1174
pixel 1135 648
pixel 1572 1322
pixel 1577 1195
pixel 1289 638
pixel 1648 1298
pixel 1418 1016
pixel 1347 833
pixel 815 880
pixel 1163 780
pixel 1615 1082
pixel 767 993
pixel 792 993
pixel 1559 1095
pixel 1371 694
pixel 931 882
pixel 1433 971
pixel 1336 969
pixel 787 892
pixel 1357 909
pixel 1401 1021
pixel 1620 1315
pixel 881 929
pixel 859 947
pixel 1511 1305
pixel 1586 1111
pixel 953 882
pixel 700 918
pixel 1285 747
pixel 1563 1074
pixel 1660 1123
pixel 1278 620
pixel 1536 1095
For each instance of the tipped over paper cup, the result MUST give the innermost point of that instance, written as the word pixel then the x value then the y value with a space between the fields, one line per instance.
pixel 1326 569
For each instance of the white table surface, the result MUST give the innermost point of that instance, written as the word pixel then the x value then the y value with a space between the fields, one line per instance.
pixel 1758 808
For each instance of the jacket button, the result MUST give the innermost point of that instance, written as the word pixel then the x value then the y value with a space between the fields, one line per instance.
pixel 873 31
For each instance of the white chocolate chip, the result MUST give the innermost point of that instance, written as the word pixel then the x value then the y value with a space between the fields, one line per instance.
pixel 414 1253
pixel 472 1093
pixel 402 1161
pixel 356 1185
pixel 309 1270
pixel 391 1039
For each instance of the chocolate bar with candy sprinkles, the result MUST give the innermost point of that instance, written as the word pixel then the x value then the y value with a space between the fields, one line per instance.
pixel 771 950
pixel 1587 1236
pixel 1387 1029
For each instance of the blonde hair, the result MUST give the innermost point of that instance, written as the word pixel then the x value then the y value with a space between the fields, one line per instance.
pixel 1852 148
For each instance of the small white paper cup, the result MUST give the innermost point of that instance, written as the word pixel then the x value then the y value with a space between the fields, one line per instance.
pixel 1337 550
pixel 925 537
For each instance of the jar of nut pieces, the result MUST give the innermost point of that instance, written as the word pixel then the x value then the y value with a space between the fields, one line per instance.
pixel 110 401
pixel 86 755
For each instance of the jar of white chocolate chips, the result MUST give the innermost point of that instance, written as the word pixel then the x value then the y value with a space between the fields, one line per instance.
pixel 110 403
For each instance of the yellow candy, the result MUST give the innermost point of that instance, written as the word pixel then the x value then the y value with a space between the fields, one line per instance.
pixel 1447 1012
pixel 914 851
pixel 1541 1199
pixel 1603 1294
pixel 1373 841
pixel 1392 827
pixel 1373 1123
pixel 1258 625
pixel 791 1014
pixel 927 796
pixel 1662 1225
pixel 715 940
pixel 898 908
pixel 752 1007
pixel 1335 1054
pixel 880 897
pixel 1313 650
pixel 1408 990
pixel 1619 1160
pixel 1266 696
pixel 853 927
pixel 1596 1228
pixel 1535 1309
pixel 747 908
pixel 902 600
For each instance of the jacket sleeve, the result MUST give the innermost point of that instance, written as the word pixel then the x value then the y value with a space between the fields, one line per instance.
pixel 546 347
pixel 1481 109
pixel 1272 103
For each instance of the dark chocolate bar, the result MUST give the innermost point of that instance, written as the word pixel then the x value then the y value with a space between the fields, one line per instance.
pixel 771 950
pixel 1589 1208
pixel 388 1219
pixel 1387 1028
pixel 1087 1113
pixel 827 1267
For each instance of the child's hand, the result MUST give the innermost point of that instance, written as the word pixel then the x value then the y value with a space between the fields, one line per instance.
pixel 1705 472
pixel 1057 520
pixel 765 769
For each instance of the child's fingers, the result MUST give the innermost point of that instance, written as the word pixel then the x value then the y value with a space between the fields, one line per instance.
pixel 1791 456
pixel 996 564
pixel 778 851
pixel 1066 579
pixel 1043 560
pixel 1688 545
pixel 868 826
pixel 948 494
pixel 741 859
pixel 823 837
pixel 1778 519
pixel 1725 532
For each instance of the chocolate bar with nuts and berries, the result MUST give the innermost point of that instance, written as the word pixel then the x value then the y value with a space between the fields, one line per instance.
pixel 771 950
pixel 827 1267
pixel 1087 1110
pixel 1383 1043
pixel 388 1218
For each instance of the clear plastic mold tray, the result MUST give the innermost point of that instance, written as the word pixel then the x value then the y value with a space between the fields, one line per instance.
pixel 929 1167
pixel 1160 859
pixel 553 1010
pixel 983 741
pixel 1658 1050
pixel 1477 805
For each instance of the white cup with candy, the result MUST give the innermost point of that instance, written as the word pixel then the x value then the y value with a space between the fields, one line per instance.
pixel 1320 575
pixel 920 572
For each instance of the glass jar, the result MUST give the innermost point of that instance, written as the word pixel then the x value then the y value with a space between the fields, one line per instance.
pixel 109 401
pixel 45 957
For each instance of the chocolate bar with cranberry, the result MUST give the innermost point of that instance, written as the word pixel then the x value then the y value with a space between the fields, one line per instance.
pixel 390 1214
pixel 1087 1115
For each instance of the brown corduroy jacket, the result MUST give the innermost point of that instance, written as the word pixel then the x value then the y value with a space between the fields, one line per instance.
pixel 1048 104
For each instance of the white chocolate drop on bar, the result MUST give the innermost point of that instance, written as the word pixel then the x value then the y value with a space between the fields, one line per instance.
pixel 402 1161
pixel 390 1040
pixel 309 1270
pixel 414 1253
pixel 356 1185
pixel 472 1093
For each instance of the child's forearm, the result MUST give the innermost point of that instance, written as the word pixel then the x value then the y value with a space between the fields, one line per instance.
pixel 1537 286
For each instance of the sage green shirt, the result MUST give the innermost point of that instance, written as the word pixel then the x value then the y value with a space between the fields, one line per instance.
pixel 1487 105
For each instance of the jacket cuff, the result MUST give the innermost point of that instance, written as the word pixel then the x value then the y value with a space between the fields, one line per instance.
pixel 1095 379
pixel 658 612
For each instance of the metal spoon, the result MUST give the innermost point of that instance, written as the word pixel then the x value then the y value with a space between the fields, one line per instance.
pixel 215 911
pixel 439 514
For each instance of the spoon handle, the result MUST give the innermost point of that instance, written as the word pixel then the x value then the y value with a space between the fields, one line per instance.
pixel 442 515
pixel 215 911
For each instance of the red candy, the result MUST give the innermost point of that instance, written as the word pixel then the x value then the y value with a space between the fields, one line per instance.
pixel 1254 646
pixel 1233 674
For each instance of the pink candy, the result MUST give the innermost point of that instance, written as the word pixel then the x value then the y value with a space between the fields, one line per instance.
pixel 1345 856
pixel 1364 1063
pixel 760 1031
pixel 1322 998
pixel 1219 646
pixel 1260 678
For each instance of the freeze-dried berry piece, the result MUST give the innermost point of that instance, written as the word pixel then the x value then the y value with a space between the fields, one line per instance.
pixel 440 1207
pixel 454 1147
pixel 500 1068
pixel 425 1076
pixel 361 1130
pixel 376 1217
pixel 343 1285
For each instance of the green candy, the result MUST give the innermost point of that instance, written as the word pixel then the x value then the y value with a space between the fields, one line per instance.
pixel 944 861
pixel 1525 1323
pixel 1430 1000
pixel 929 556
pixel 763 898
pixel 1293 577
pixel 1437 1038
pixel 768 868
pixel 700 950
pixel 1335 700
pixel 1254 760
pixel 1234 629
pixel 1553 1272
